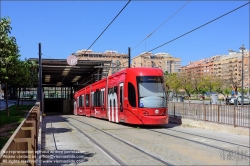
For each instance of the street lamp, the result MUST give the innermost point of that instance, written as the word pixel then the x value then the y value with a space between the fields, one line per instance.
pixel 242 75
pixel 242 48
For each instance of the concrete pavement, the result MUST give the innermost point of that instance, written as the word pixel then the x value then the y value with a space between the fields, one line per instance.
pixel 178 144
pixel 209 126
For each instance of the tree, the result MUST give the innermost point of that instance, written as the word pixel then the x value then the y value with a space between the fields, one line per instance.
pixel 186 83
pixel 211 83
pixel 26 76
pixel 198 84
pixel 173 82
pixel 9 54
pixel 221 86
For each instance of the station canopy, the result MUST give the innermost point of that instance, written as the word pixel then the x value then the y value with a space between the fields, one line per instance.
pixel 57 72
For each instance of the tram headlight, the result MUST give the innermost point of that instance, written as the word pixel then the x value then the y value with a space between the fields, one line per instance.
pixel 157 111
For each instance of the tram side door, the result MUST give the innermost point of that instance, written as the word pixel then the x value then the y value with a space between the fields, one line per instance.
pixel 113 112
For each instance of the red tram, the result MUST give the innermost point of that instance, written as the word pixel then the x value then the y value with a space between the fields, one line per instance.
pixel 133 95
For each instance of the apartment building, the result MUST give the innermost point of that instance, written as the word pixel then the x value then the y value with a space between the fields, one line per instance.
pixel 165 61
pixel 119 61
pixel 227 67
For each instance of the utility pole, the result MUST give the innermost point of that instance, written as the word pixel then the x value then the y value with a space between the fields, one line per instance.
pixel 242 75
pixel 129 57
pixel 40 94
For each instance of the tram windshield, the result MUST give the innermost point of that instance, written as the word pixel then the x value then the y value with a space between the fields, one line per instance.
pixel 151 92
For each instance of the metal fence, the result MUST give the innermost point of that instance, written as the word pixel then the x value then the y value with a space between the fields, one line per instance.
pixel 21 148
pixel 222 114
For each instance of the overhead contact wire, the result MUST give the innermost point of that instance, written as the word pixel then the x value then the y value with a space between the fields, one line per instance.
pixel 161 24
pixel 106 28
pixel 103 31
pixel 199 27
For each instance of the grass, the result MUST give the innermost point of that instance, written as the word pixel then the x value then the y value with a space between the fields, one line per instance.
pixel 3 141
pixel 15 118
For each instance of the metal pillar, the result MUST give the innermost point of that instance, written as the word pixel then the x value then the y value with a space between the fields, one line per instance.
pixel 242 75
pixel 40 97
pixel 129 57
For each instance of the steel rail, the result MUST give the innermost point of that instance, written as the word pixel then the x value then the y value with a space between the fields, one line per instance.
pixel 214 139
pixel 205 144
pixel 98 144
pixel 129 144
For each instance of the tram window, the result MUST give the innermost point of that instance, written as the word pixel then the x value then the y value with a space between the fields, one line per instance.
pixel 110 90
pixel 92 99
pixel 77 101
pixel 131 95
pixel 80 101
pixel 110 103
pixel 102 97
pixel 121 98
pixel 115 90
pixel 97 98
pixel 87 100
pixel 101 102
pixel 95 95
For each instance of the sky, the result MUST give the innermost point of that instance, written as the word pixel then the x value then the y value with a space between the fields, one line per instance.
pixel 64 27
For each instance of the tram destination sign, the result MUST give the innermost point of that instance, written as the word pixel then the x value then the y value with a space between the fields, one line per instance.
pixel 72 60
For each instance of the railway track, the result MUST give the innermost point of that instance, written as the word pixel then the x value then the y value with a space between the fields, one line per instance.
pixel 241 150
pixel 147 157
pixel 224 150
pixel 141 145
pixel 214 139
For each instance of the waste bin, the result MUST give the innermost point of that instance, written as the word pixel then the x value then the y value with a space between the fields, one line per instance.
pixel 214 98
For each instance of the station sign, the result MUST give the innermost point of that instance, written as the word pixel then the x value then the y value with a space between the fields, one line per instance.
pixel 72 60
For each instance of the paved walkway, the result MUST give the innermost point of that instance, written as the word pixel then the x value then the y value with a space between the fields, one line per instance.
pixel 62 145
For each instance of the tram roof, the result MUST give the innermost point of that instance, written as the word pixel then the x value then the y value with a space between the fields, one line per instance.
pixel 55 71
